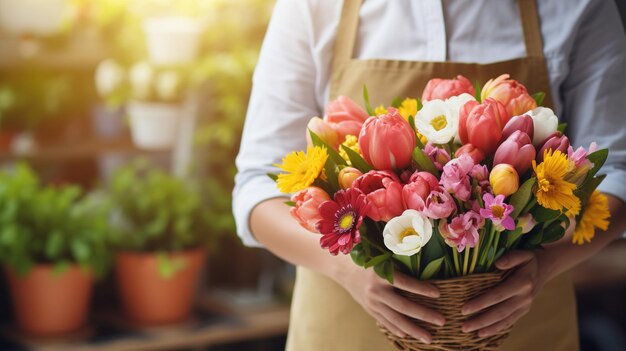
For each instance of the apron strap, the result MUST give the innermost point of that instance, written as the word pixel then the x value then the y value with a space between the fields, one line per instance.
pixel 531 27
pixel 349 23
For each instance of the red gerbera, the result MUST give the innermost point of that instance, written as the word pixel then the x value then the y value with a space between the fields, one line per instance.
pixel 341 220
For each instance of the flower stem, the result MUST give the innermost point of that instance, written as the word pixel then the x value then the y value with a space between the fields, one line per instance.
pixel 495 249
pixel 376 246
pixel 475 257
pixel 466 256
pixel 455 255
pixel 418 264
pixel 485 253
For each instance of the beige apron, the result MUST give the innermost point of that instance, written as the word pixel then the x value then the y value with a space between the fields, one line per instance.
pixel 323 315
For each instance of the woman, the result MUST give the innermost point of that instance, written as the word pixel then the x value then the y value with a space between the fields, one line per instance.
pixel 314 50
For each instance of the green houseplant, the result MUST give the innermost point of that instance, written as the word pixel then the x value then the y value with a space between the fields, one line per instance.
pixel 161 231
pixel 53 243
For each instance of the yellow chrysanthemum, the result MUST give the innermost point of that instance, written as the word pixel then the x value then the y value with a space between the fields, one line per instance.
pixel 302 169
pixel 596 215
pixel 351 142
pixel 380 110
pixel 408 108
pixel 553 191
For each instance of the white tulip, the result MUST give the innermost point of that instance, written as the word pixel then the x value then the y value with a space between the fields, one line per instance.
pixel 141 77
pixel 406 234
pixel 455 103
pixel 437 122
pixel 167 85
pixel 109 77
pixel 545 122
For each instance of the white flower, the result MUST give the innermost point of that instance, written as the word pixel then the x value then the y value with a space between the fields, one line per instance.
pixel 109 77
pixel 455 103
pixel 437 122
pixel 167 85
pixel 408 233
pixel 141 76
pixel 545 122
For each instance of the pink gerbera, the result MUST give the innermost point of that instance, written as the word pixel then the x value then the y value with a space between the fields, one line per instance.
pixel 341 220
pixel 498 211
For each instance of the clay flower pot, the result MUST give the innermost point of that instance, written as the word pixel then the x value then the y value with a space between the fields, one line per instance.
pixel 150 298
pixel 49 303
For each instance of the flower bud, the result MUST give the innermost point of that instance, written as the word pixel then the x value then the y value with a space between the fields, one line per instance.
pixel 517 150
pixel 472 151
pixel 347 176
pixel 504 179
pixel 523 123
pixel 322 130
pixel 387 141
pixel 556 141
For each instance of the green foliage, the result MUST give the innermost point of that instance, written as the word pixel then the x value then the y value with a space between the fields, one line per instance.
pixel 520 199
pixel 50 225
pixel 154 211
pixel 539 97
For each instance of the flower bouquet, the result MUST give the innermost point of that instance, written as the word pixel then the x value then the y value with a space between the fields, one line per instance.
pixel 441 187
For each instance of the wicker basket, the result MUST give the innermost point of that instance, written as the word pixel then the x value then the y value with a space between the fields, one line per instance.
pixel 454 294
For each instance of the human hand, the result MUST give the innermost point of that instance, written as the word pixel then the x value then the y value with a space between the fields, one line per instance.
pixel 389 308
pixel 506 303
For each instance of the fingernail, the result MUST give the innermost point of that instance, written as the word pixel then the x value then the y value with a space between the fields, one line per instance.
pixel 441 322
pixel 466 329
pixel 465 311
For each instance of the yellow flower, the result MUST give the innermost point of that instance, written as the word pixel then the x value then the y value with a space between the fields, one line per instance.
pixel 380 110
pixel 302 169
pixel 553 191
pixel 351 142
pixel 596 215
pixel 408 108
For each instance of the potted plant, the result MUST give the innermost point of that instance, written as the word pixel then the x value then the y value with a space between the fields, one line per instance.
pixel 156 108
pixel 161 230
pixel 53 244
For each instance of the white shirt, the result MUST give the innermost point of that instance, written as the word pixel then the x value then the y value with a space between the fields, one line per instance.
pixel 584 46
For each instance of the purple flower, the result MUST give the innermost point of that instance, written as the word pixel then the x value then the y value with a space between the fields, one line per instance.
pixel 438 155
pixel 498 212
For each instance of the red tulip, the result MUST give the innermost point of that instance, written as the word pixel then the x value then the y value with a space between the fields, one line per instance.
pixel 517 150
pixel 556 141
pixel 387 141
pixel 469 149
pixel 483 126
pixel 384 193
pixel 445 88
pixel 415 192
pixel 345 116
pixel 522 123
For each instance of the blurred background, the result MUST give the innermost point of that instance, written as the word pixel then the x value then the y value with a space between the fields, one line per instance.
pixel 129 113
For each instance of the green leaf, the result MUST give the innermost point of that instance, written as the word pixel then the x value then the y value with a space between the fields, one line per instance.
pixel 357 160
pixel 561 127
pixel 385 271
pixel 534 238
pixel 290 203
pixel 432 268
pixel 358 255
pixel 520 199
pixel 512 236
pixel 331 176
pixel 366 98
pixel 168 266
pixel 539 97
pixel 396 102
pixel 542 214
pixel 405 261
pixel 60 267
pixel 597 158
pixel 377 260
pixel 553 232
pixel 80 250
pixel 478 91
pixel 424 163
pixel 332 154
pixel 273 176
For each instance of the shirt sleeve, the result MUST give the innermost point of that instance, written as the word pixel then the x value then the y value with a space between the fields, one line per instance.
pixel 594 92
pixel 282 101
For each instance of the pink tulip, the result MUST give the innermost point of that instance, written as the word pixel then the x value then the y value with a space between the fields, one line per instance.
pixel 511 93
pixel 439 204
pixel 472 151
pixel 462 230
pixel 517 150
pixel 556 141
pixel 445 88
pixel 322 130
pixel 345 116
pixel 347 176
pixel 438 155
pixel 387 141
pixel 306 211
pixel 483 126
pixel 455 177
pixel 522 123
pixel 384 193
pixel 414 193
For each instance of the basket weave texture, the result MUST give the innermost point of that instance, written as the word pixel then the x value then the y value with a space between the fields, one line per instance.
pixel 455 293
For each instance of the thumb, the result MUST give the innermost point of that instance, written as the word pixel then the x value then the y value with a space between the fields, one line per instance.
pixel 514 259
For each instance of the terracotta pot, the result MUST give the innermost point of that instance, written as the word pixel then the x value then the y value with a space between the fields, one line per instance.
pixel 148 297
pixel 49 303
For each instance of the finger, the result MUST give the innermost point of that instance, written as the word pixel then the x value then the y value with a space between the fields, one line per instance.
pixel 503 324
pixel 514 259
pixel 494 315
pixel 412 309
pixel 517 284
pixel 388 325
pixel 415 286
pixel 406 325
